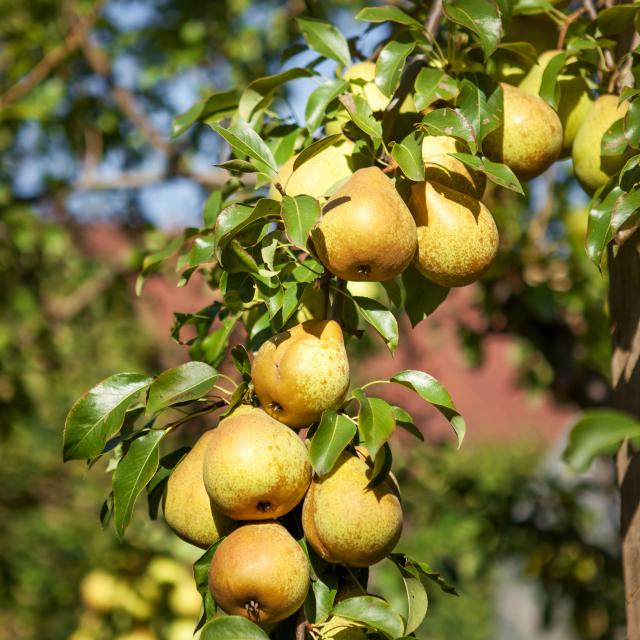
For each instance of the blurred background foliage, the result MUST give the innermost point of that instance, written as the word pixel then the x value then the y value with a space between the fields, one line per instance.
pixel 88 91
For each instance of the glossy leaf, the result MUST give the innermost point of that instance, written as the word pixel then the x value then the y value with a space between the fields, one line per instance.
pixel 432 85
pixel 382 464
pixel 599 227
pixel 430 390
pixel 322 595
pixel 319 100
pixel 450 122
pixel 218 105
pixel 326 39
pixel 390 63
pixel 497 172
pixel 614 20
pixel 232 628
pixel 372 611
pixel 380 318
pixel 626 210
pixel 549 85
pixel 598 432
pixel 423 297
pixel 188 381
pixel 480 17
pixel 300 214
pixel 245 141
pixel 425 570
pixel 614 141
pixel 403 419
pixel 315 148
pixel 388 14
pixel 333 434
pixel 417 600
pixel 632 124
pixel 408 154
pixel 99 413
pixel 361 113
pixel 376 422
pixel 134 471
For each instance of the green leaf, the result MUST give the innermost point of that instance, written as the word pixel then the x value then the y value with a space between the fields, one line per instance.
pixel 408 155
pixel 423 297
pixel 188 381
pixel 380 318
pixel 241 360
pixel 245 141
pixel 550 90
pixel 614 20
pixel 362 115
pixel 598 432
pixel 388 14
pixel 430 390
pixel 432 85
pixel 326 39
pixel 480 17
pixel 132 474
pixel 632 123
pixel 99 413
pixel 212 208
pixel 372 611
pixel 323 593
pixel 318 101
pixel 625 210
pixel 403 419
pixel 153 260
pixel 382 464
pixel 299 214
pixel 333 434
pixel 614 142
pixel 497 172
pixel 214 345
pixel 599 227
pixel 390 63
pixel 218 105
pixel 232 628
pixel 376 422
pixel 314 149
pixel 450 122
pixel 417 600
pixel 260 92
pixel 424 569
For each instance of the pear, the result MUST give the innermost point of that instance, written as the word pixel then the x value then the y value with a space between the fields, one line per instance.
pixel 316 176
pixel 575 101
pixel 254 467
pixel 366 232
pixel 369 90
pixel 530 138
pixel 301 372
pixel 345 521
pixel 457 235
pixel 187 507
pixel 260 572
pixel 540 31
pixel 448 171
pixel 592 169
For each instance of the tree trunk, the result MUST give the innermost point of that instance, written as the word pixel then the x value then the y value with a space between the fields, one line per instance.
pixel 625 368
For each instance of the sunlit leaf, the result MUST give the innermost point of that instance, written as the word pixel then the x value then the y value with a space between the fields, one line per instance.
pixel 333 434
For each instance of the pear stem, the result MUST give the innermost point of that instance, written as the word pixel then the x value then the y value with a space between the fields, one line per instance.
pixel 338 301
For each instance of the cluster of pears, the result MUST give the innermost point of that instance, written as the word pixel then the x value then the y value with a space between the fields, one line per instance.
pixel 242 476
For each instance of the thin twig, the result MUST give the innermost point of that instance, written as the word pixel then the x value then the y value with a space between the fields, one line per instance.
pixel 75 38
pixel 571 18
pixel 433 19
pixel 301 625
pixel 590 9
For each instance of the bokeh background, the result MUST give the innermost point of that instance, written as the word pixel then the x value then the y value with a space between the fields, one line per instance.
pixel 91 180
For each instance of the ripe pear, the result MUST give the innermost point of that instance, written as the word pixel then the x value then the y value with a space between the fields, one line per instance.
pixel 366 232
pixel 344 521
pixel 254 467
pixel 457 235
pixel 448 171
pixel 574 103
pixel 301 372
pixel 316 176
pixel 260 572
pixel 530 139
pixel 187 507
pixel 369 90
pixel 592 169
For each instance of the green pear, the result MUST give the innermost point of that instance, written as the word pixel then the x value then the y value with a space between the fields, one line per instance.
pixel 254 467
pixel 187 507
pixel 575 101
pixel 457 235
pixel 346 521
pixel 529 140
pixel 260 572
pixel 448 171
pixel 301 372
pixel 592 169
pixel 316 176
pixel 366 232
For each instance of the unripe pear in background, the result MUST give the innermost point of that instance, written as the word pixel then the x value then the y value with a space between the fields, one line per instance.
pixel 457 235
pixel 255 468
pixel 260 572
pixel 188 510
pixel 301 372
pixel 345 521
pixel 316 176
pixel 574 103
pixel 366 232
pixel 448 171
pixel 592 169
pixel 529 140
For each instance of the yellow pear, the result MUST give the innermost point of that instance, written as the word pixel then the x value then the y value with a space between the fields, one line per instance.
pixel 366 232
pixel 301 372
pixel 260 572
pixel 457 236
pixel 369 90
pixel 255 468
pixel 530 138
pixel 574 103
pixel 316 176
pixel 592 169
pixel 448 171
pixel 344 521
pixel 187 507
